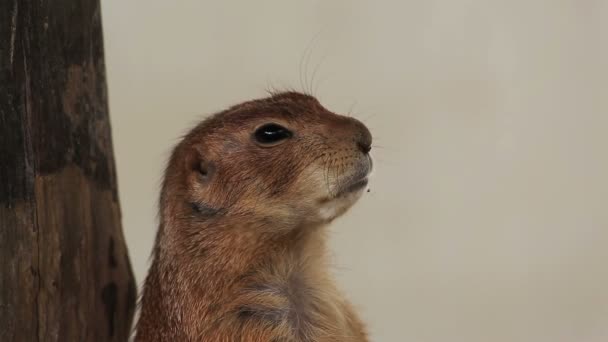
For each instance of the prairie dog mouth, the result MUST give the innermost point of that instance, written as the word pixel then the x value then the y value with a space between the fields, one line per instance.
pixel 353 187
pixel 357 181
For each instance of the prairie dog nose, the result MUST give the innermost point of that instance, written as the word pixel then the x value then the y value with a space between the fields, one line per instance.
pixel 363 138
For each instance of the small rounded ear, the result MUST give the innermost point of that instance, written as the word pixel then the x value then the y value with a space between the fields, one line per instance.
pixel 204 168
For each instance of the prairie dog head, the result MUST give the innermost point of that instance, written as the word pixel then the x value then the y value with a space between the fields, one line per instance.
pixel 284 160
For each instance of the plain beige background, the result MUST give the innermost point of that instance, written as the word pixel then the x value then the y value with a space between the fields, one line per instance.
pixel 488 216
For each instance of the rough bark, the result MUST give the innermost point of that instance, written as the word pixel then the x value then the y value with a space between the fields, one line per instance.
pixel 64 269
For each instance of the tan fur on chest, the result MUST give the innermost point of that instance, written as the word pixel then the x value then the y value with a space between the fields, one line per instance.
pixel 298 299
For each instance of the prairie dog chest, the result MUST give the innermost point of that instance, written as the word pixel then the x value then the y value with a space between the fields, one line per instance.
pixel 304 309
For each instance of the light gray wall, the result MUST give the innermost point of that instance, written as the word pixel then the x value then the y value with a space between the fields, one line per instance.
pixel 488 216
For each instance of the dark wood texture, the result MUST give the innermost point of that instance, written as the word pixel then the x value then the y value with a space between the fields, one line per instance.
pixel 64 270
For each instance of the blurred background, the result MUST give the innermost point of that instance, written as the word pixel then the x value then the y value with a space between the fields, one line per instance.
pixel 487 218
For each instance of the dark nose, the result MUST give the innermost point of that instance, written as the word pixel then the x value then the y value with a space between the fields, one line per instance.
pixel 364 137
pixel 364 146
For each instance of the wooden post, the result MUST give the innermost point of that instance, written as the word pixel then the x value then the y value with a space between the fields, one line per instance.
pixel 64 269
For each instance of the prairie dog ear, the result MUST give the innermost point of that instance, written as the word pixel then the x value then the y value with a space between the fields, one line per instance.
pixel 201 168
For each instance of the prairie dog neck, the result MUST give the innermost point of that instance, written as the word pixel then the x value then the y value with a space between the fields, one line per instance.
pixel 238 251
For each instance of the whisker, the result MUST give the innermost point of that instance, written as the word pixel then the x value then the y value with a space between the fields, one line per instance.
pixel 368 117
pixel 384 148
pixel 350 109
pixel 314 74
pixel 305 60
pixel 326 172
pixel 386 162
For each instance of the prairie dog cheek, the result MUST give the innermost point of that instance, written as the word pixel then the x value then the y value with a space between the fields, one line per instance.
pixel 315 185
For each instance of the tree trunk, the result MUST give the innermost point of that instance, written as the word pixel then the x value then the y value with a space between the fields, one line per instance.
pixel 64 270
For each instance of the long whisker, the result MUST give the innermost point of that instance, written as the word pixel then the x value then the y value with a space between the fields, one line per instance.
pixel 305 61
pixel 351 108
pixel 368 117
pixel 314 74
pixel 326 172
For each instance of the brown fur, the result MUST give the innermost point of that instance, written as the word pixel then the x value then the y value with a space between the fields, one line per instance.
pixel 240 253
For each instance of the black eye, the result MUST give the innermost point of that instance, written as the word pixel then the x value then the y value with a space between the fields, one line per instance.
pixel 271 134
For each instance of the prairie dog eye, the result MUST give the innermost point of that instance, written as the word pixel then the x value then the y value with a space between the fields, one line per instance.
pixel 271 134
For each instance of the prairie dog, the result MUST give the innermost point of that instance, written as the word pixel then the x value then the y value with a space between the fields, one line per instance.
pixel 240 252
